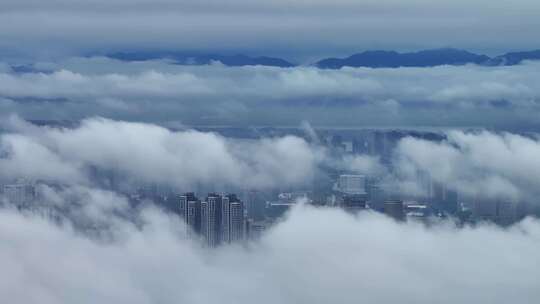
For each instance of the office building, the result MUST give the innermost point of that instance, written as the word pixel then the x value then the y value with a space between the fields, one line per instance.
pixel 499 211
pixel 255 229
pixel 189 207
pixel 20 193
pixel 394 209
pixel 236 221
pixel 351 184
pixel 354 203
pixel 211 219
pixel 443 199
pixel 232 219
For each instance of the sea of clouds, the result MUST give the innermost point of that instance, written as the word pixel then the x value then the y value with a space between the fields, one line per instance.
pixel 315 255
pixel 160 91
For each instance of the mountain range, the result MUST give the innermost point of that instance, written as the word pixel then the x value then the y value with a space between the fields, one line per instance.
pixel 426 58
pixel 370 59
pixel 183 58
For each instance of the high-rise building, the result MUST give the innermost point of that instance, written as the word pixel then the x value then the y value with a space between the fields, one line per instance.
pixel 500 211
pixel 379 140
pixel 236 221
pixel 443 199
pixel 193 218
pixel 354 202
pixel 506 212
pixel 352 184
pixel 376 197
pixel 183 203
pixel 218 219
pixel 232 219
pixel 225 229
pixel 20 193
pixel 394 209
pixel 211 219
pixel 255 229
pixel 255 205
pixel 190 211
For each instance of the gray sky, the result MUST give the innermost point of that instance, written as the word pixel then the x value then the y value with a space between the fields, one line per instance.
pixel 301 30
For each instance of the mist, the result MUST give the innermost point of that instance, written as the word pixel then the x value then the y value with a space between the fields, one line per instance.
pixel 160 92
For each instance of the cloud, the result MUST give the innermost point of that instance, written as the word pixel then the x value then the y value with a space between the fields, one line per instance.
pixel 149 153
pixel 357 163
pixel 81 242
pixel 314 256
pixel 157 91
pixel 24 157
pixel 365 164
pixel 481 164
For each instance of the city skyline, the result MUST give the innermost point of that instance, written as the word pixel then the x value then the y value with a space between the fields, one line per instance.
pixel 281 151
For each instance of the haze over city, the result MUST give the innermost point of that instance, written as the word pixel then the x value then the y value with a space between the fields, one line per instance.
pixel 277 151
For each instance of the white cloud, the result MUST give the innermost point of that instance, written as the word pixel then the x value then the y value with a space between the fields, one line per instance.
pixel 24 157
pixel 480 164
pixel 154 154
pixel 314 256
pixel 159 91
pixel 476 163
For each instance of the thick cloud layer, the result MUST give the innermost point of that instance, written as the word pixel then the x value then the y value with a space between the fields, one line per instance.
pixel 151 153
pixel 314 256
pixel 107 252
pixel 82 241
pixel 501 97
pixel 482 164
pixel 284 27
pixel 479 164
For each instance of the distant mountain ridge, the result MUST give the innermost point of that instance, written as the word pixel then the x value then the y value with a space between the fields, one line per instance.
pixel 371 59
pixel 515 58
pixel 203 59
pixel 392 59
pixel 426 58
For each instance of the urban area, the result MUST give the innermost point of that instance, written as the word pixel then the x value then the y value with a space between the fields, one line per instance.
pixel 222 215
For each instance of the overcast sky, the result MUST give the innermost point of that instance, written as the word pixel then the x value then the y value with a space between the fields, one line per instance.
pixel 54 35
pixel 300 30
